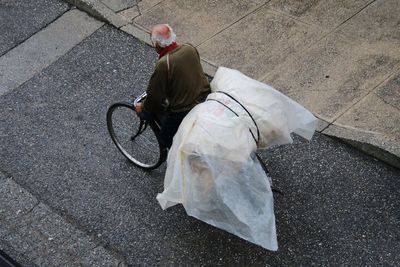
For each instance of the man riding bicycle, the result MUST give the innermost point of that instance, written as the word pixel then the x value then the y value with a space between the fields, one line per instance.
pixel 177 84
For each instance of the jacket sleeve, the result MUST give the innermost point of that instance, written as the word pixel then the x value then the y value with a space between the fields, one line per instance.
pixel 157 90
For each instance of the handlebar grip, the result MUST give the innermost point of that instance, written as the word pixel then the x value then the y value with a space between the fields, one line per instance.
pixel 140 98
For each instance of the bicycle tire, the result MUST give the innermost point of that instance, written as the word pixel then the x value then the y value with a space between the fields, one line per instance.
pixel 143 149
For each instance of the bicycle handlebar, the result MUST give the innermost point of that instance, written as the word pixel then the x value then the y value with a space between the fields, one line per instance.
pixel 140 98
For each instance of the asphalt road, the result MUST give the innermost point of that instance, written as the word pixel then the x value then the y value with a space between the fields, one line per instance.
pixel 20 19
pixel 340 206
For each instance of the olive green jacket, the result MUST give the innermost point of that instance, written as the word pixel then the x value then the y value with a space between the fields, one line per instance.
pixel 178 82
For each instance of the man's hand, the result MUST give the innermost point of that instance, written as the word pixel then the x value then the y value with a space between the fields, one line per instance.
pixel 139 107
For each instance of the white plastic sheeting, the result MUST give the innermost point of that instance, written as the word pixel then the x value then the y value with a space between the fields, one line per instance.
pixel 212 169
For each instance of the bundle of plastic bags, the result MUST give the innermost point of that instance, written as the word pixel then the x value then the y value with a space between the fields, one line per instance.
pixel 212 169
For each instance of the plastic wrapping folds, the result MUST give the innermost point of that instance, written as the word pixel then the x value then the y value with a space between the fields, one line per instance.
pixel 212 169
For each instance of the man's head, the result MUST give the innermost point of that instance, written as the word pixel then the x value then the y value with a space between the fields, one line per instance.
pixel 162 36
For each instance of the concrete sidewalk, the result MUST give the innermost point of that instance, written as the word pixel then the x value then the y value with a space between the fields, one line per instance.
pixel 340 60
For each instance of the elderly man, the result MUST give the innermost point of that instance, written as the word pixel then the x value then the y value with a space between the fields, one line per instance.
pixel 177 84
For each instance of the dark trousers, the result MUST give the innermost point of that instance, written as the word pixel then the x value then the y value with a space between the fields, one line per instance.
pixel 169 126
pixel 170 122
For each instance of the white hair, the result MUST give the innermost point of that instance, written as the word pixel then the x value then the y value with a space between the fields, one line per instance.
pixel 161 40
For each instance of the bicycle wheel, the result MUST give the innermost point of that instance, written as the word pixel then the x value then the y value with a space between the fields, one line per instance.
pixel 135 138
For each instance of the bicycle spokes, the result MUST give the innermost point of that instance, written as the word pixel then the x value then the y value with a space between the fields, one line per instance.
pixel 142 127
pixel 135 137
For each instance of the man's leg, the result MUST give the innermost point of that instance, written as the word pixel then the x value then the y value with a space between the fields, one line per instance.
pixel 148 116
pixel 169 127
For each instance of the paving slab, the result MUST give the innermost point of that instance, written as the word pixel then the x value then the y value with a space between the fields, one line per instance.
pixel 45 47
pixel 139 33
pixel 389 92
pixel 377 24
pixel 327 14
pixel 21 19
pixel 197 21
pixel 266 39
pixel 140 8
pixel 99 10
pixel 130 13
pixel 333 75
pixel 321 125
pixel 118 5
pixel 375 119
pixel 145 5
pixel 379 112
pixel 342 70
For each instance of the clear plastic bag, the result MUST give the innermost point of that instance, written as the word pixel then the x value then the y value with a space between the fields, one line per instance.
pixel 212 169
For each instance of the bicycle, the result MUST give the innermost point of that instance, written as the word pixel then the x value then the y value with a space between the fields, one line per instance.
pixel 141 135
pixel 136 137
